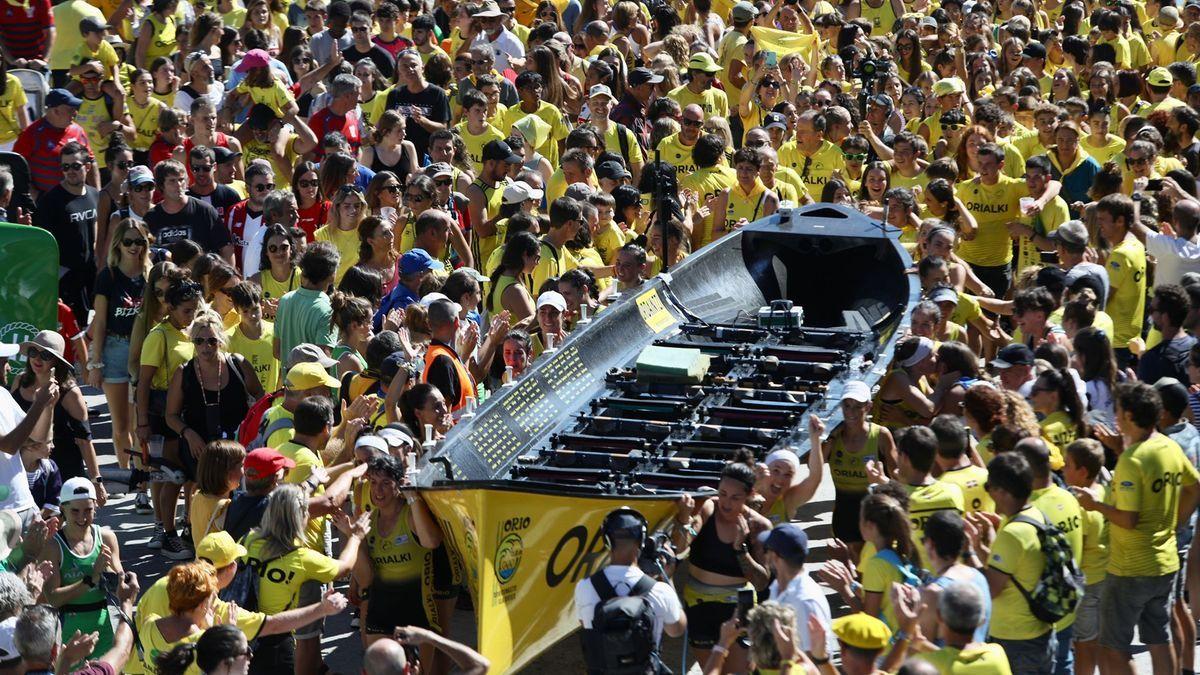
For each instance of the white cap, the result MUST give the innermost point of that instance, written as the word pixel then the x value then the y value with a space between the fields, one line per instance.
pixel 9 351
pixel 552 299
pixel 8 651
pixel 371 442
pixel 76 488
pixel 857 391
pixel 518 192
pixel 600 90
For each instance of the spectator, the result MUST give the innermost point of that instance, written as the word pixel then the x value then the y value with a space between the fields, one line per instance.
pixel 68 211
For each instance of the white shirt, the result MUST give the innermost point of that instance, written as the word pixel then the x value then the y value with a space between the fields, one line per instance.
pixel 662 597
pixel 252 255
pixel 12 472
pixel 1175 257
pixel 805 596
pixel 506 45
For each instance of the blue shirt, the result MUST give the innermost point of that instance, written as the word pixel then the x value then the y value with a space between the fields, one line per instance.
pixel 979 581
pixel 400 298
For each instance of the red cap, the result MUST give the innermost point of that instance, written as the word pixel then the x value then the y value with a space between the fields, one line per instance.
pixel 264 462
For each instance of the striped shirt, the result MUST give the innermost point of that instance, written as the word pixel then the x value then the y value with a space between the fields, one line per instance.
pixel 40 143
pixel 23 28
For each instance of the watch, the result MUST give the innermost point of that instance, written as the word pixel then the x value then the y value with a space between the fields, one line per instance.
pixel 98 480
pixel 1137 197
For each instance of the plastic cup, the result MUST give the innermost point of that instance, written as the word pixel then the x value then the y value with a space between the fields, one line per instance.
pixel 155 444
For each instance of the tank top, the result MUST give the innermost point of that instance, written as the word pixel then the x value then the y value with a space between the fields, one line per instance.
pixel 400 168
pixel 163 38
pixel 745 205
pixel 395 555
pixel 342 349
pixel 482 247
pixel 211 413
pixel 882 18
pixel 75 567
pixel 849 468
pixel 276 289
pixel 895 414
pixel 497 294
pixel 708 552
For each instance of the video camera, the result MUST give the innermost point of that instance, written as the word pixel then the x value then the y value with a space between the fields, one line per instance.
pixel 871 68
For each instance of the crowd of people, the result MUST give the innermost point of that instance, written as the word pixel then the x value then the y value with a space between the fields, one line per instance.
pixel 299 241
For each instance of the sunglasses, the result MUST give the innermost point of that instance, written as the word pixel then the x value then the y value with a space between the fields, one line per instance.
pixel 144 187
pixel 693 123
pixel 771 85
pixel 394 189
pixel 125 164
pixel 210 341
pixel 40 354
pixel 202 168
pixel 305 184
pixel 952 127
pixel 443 182
pixel 73 166
pixel 856 157
pixel 348 188
pixel 130 243
pixel 411 197
pixel 279 248
pixel 905 46
pixel 264 187
pixel 1134 161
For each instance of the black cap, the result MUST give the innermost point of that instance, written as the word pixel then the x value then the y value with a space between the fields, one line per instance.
pixel 640 76
pixel 1034 50
pixel 91 25
pixel 1174 395
pixel 261 116
pixel 499 150
pixel 394 363
pixel 1013 355
pixel 1052 279
pixel 224 154
pixel 624 523
pixel 612 171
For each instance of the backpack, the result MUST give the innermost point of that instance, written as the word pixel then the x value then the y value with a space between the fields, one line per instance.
pixel 243 590
pixel 1060 587
pixel 621 639
pixel 251 432
pixel 909 573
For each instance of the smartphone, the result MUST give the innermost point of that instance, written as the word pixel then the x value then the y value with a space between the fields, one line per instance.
pixel 1154 185
pixel 771 59
pixel 745 602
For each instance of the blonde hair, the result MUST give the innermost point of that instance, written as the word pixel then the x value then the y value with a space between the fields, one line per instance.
pixel 760 624
pixel 114 245
pixel 1020 413
pixel 208 318
pixel 283 521
pixel 720 126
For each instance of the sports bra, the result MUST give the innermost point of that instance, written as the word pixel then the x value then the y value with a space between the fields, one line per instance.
pixel 710 553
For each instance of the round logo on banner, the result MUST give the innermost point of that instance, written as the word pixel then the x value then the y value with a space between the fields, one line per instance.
pixel 14 333
pixel 508 557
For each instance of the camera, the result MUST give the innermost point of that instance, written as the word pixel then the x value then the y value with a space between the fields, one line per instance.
pixel 869 69
pixel 658 557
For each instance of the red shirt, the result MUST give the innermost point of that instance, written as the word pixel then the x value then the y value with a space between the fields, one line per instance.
pixel 188 144
pixel 162 149
pixel 395 46
pixel 313 217
pixel 68 328
pixel 348 125
pixel 40 143
pixel 23 28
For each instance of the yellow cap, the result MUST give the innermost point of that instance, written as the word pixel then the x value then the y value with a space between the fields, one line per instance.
pixel 304 376
pixel 534 129
pixel 949 85
pixel 220 549
pixel 1160 77
pixel 862 631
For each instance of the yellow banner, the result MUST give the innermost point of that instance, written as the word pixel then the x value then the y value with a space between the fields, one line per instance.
pixel 784 42
pixel 523 554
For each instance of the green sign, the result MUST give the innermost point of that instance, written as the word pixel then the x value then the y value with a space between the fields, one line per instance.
pixel 28 285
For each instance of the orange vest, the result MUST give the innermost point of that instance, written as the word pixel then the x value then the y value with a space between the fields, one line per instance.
pixel 466 385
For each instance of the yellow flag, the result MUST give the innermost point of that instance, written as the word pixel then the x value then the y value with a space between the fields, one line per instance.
pixel 784 42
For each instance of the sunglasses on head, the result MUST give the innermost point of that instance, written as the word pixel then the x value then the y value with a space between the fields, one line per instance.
pixel 264 187
pixel 129 243
pixel 210 341
pixel 348 188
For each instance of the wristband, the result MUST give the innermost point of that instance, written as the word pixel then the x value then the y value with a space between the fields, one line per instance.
pixel 817 660
pixel 901 636
pixel 95 365
pixel 720 649
pixel 412 499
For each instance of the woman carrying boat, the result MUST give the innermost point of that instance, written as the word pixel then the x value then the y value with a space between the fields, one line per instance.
pixel 904 396
pixel 782 495
pixel 720 536
pixel 848 449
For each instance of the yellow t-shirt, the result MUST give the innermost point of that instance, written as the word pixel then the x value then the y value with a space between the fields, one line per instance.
pixel 993 206
pixel 258 353
pixel 1127 299
pixel 1044 223
pixel 1058 429
pixel 145 120
pixel 167 349
pixel 346 242
pixel 307 462
pixel 878 575
pixel 732 47
pixel 707 183
pixel 926 500
pixel 1017 552
pixel 279 584
pixel 1103 154
pixel 743 205
pixel 67 16
pixel 678 155
pixel 1121 47
pixel 554 263
pixel 276 289
pixel 612 143
pixel 1064 511
pixel 608 240
pixel 1095 543
pixel 105 54
pixel 983 659
pixel 12 100
pixel 713 102
pixel 882 18
pixel 1148 479
pixel 156 603
pixel 475 142
pixel 276 97
pixel 559 128
pixel 282 435
pixel 970 479
pixel 154 644
pixel 204 508
pixel 817 169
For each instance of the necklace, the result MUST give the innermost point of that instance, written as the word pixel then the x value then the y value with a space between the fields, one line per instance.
pixel 203 391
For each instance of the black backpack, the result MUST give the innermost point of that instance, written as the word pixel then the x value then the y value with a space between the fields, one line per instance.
pixel 243 590
pixel 621 639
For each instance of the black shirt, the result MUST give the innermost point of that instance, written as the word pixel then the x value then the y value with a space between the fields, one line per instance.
pixel 220 199
pixel 124 298
pixel 382 58
pixel 196 221
pixel 431 101
pixel 71 219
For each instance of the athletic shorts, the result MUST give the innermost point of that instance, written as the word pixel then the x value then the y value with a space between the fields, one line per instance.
pixel 1144 602
pixel 1087 615
pixel 392 605
pixel 845 516
pixel 447 582
pixel 311 593
pixel 707 607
